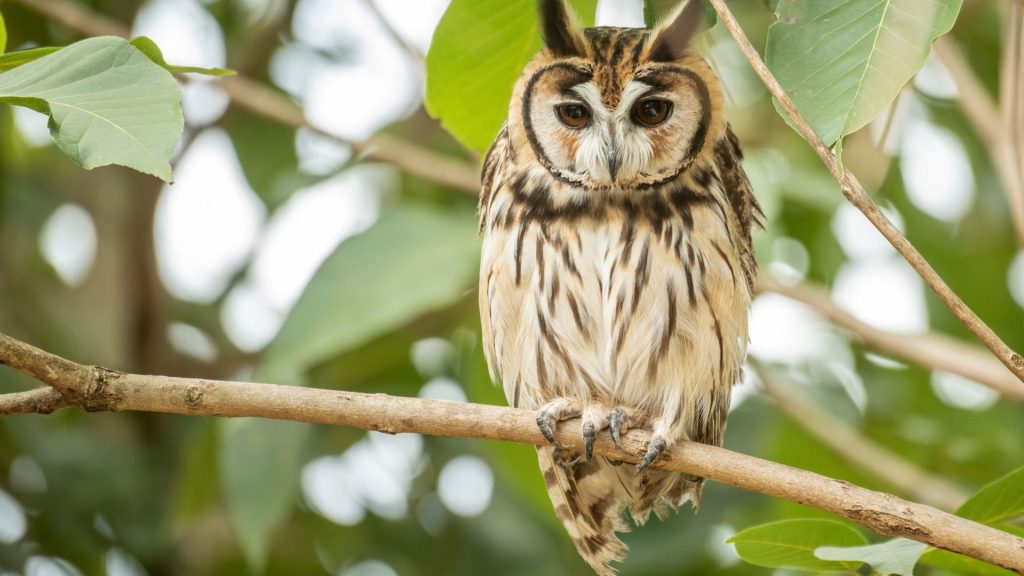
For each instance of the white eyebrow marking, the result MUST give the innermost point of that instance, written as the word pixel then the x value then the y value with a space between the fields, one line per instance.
pixel 592 96
pixel 631 92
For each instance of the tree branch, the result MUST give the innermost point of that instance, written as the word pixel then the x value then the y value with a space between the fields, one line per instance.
pixel 931 350
pixel 869 457
pixel 1011 96
pixel 265 101
pixel 36 401
pixel 859 198
pixel 996 134
pixel 99 389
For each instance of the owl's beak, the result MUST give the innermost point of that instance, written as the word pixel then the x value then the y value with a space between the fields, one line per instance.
pixel 614 162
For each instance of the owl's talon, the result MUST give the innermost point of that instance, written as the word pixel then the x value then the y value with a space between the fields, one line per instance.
pixel 617 425
pixel 545 422
pixel 589 435
pixel 654 450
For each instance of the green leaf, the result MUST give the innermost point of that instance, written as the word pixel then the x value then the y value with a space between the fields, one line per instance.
pixel 897 556
pixel 998 501
pixel 15 59
pixel 958 564
pixel 197 491
pixel 412 261
pixel 842 62
pixel 480 47
pixel 266 151
pixel 260 462
pixel 791 544
pixel 145 45
pixel 107 103
pixel 3 34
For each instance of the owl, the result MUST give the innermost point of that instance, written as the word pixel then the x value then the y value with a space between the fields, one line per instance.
pixel 617 268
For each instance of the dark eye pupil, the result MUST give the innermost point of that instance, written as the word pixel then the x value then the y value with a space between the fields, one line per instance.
pixel 573 115
pixel 651 108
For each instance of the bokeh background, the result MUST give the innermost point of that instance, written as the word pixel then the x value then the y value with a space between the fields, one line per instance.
pixel 197 279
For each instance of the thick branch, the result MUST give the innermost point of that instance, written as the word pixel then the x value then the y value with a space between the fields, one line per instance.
pixel 265 101
pixel 869 457
pixel 94 389
pixel 930 349
pixel 855 193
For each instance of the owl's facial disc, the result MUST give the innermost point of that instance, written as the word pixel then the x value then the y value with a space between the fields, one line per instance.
pixel 607 129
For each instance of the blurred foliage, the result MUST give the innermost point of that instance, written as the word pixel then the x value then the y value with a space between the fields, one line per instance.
pixel 198 496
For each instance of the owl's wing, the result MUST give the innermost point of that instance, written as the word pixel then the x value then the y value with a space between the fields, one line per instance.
pixel 744 204
pixel 494 163
pixel 497 157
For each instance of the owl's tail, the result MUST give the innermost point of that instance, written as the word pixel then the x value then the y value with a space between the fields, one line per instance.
pixel 590 497
pixel 589 500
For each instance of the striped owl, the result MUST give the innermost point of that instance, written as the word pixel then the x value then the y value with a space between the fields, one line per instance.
pixel 617 268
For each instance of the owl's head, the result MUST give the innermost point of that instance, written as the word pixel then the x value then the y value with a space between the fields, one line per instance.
pixel 616 108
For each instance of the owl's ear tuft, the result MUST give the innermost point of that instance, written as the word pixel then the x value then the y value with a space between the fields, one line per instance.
pixel 559 29
pixel 672 39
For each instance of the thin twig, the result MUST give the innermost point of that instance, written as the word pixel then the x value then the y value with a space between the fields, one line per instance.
pixel 412 51
pixel 36 401
pixel 931 350
pixel 869 457
pixel 1011 99
pixel 99 389
pixel 265 101
pixel 855 193
pixel 996 134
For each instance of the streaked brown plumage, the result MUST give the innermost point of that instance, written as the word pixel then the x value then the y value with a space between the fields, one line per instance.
pixel 617 267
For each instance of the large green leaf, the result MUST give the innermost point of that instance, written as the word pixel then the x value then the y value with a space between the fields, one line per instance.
pixel 896 556
pixel 107 103
pixel 412 261
pixel 791 544
pixel 260 462
pixel 478 50
pixel 998 501
pixel 842 62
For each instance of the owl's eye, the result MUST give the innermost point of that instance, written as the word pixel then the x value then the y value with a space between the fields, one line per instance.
pixel 651 112
pixel 573 115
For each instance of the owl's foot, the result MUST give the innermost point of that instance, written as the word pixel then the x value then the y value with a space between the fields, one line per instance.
pixel 550 414
pixel 655 448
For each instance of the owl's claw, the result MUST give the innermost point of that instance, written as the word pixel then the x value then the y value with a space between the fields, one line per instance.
pixel 618 423
pixel 546 423
pixel 654 450
pixel 550 414
pixel 589 435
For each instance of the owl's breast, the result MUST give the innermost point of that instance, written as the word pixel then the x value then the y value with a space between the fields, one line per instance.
pixel 618 310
